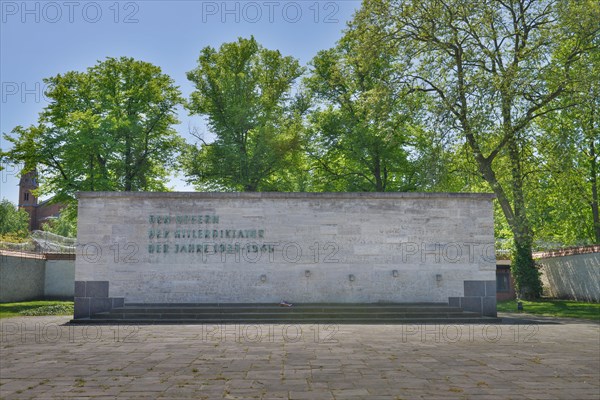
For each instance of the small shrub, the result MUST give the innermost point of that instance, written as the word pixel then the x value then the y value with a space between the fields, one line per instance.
pixel 57 309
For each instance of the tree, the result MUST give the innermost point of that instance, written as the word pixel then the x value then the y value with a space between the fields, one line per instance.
pixel 562 174
pixel 244 92
pixel 359 137
pixel 572 136
pixel 13 222
pixel 586 126
pixel 106 129
pixel 492 68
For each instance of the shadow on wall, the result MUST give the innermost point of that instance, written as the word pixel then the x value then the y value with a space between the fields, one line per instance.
pixel 575 277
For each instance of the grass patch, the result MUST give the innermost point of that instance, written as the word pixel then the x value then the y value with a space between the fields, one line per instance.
pixel 37 308
pixel 56 309
pixel 554 308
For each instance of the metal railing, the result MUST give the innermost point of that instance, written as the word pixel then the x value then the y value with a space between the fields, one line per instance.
pixel 41 242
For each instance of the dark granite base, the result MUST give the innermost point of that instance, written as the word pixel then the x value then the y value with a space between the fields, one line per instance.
pixel 91 297
pixel 480 297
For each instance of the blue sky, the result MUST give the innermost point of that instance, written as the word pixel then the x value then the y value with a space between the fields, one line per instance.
pixel 40 39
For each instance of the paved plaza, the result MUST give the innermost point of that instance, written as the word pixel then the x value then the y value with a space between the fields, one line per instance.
pixel 46 358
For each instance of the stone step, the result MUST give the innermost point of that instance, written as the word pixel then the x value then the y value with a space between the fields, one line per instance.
pixel 301 313
pixel 281 316
pixel 284 310
pixel 347 321
pixel 276 305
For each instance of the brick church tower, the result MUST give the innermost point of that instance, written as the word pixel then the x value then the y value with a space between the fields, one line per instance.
pixel 39 212
pixel 27 200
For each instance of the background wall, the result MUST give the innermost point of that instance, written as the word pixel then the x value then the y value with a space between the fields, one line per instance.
pixel 59 278
pixel 21 278
pixel 574 277
pixel 30 276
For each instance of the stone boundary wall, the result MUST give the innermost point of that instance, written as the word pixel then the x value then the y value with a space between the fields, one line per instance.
pixel 299 247
pixel 27 276
pixel 575 276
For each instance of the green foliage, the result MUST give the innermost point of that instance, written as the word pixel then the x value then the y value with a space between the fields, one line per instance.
pixel 244 92
pixel 12 238
pixel 109 128
pixel 65 224
pixel 14 223
pixel 359 131
pixel 566 189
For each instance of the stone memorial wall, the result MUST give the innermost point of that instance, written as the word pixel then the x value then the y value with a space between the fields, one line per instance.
pixel 298 247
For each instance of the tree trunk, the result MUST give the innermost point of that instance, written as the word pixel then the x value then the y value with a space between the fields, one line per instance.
pixel 128 177
pixel 594 182
pixel 91 172
pixel 523 268
pixel 379 185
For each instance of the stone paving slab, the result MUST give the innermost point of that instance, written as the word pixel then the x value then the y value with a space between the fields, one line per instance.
pixel 46 358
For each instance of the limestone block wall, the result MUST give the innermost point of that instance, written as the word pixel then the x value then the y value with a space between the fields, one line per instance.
pixel 298 247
